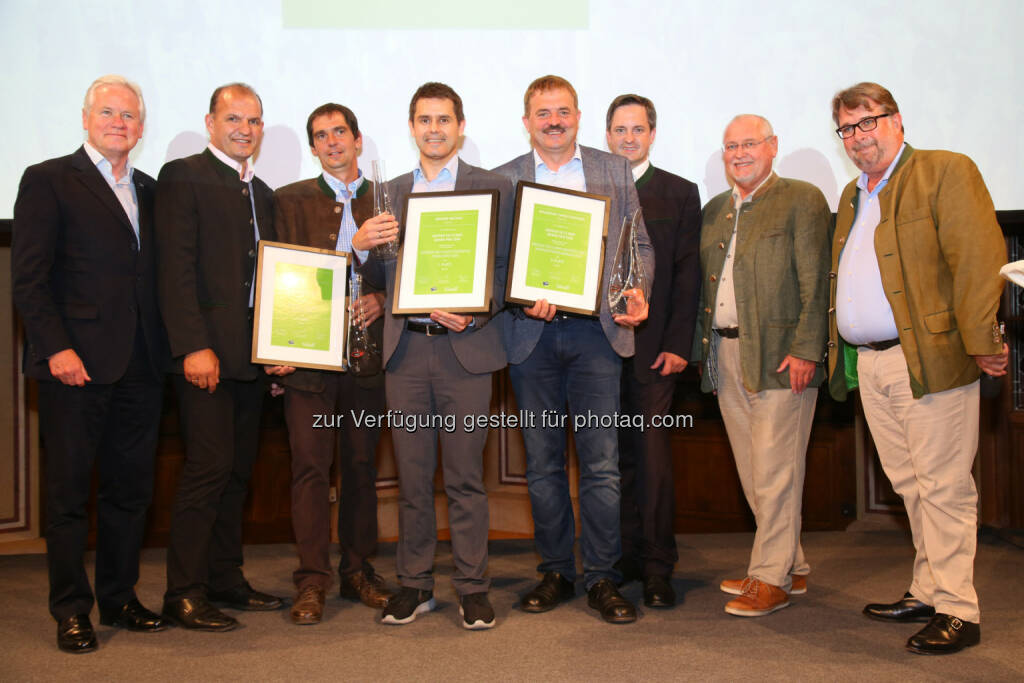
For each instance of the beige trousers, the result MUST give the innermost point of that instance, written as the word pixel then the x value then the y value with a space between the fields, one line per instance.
pixel 927 447
pixel 768 432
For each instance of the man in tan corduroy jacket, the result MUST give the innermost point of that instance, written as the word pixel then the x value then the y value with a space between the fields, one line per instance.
pixel 914 295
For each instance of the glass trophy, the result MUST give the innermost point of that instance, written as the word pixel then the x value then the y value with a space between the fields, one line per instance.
pixel 382 204
pixel 363 354
pixel 628 272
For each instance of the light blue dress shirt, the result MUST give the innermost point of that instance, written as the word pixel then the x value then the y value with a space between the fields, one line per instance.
pixel 343 194
pixel 863 314
pixel 569 176
pixel 124 188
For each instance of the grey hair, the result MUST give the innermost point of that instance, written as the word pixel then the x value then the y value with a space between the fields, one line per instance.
pixel 114 79
pixel 766 126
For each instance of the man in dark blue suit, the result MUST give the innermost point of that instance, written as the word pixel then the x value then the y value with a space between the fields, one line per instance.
pixel 83 279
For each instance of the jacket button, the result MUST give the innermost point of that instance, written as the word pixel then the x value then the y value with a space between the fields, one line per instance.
pixel 721 245
pixel 245 191
pixel 832 310
pixel 831 276
pixel 841 240
pixel 714 278
pixel 337 209
pixel 831 345
pixel 704 340
pixel 250 220
pixel 245 284
pixel 707 310
pixel 332 237
pixel 252 253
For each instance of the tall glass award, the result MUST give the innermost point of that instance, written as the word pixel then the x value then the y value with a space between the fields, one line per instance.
pixel 628 272
pixel 382 204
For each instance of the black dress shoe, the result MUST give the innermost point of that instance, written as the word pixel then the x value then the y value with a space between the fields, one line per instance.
pixel 605 598
pixel 75 634
pixel 132 616
pixel 658 592
pixel 198 615
pixel 552 589
pixel 245 597
pixel 907 609
pixel 944 634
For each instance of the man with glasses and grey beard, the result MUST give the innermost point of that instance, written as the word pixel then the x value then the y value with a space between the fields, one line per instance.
pixel 914 296
pixel 761 336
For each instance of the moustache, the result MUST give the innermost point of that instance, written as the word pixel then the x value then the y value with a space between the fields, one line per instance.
pixel 554 129
pixel 864 144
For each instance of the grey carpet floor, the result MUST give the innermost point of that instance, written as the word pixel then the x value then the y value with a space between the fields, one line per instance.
pixel 820 637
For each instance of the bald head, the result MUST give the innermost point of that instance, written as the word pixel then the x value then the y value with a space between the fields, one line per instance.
pixel 749 146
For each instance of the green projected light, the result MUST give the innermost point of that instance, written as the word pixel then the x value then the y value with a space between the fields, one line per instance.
pixel 440 14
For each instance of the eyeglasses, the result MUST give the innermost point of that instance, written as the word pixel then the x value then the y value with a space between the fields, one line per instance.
pixel 746 145
pixel 866 124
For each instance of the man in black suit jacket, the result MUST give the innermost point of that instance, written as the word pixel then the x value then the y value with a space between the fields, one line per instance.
pixel 83 279
pixel 211 211
pixel 671 207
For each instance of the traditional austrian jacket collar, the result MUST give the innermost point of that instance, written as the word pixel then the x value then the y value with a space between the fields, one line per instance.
pixel 326 189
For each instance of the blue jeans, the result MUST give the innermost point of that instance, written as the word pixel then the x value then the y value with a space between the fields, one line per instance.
pixel 573 362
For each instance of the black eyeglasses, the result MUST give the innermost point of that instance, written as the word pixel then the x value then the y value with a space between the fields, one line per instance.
pixel 868 123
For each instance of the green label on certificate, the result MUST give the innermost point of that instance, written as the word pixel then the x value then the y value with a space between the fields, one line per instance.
pixel 446 252
pixel 302 307
pixel 558 249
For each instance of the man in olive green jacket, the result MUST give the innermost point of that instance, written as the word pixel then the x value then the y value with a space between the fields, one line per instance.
pixel 914 291
pixel 761 332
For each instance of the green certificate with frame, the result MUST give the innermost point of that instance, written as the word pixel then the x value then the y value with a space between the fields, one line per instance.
pixel 301 312
pixel 446 261
pixel 558 248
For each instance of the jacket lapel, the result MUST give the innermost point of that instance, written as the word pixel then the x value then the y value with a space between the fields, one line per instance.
pixel 93 180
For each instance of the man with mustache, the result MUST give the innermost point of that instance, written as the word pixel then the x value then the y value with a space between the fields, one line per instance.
pixel 441 365
pixel 333 211
pixel 761 337
pixel 915 293
pixel 559 359
pixel 211 210
pixel 671 208
pixel 83 276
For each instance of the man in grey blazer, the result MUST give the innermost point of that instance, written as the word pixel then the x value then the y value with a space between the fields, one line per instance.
pixel 559 358
pixel 438 371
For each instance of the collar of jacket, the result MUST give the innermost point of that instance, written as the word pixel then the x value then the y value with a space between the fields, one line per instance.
pixel 223 169
pixel 648 174
pixel 326 189
pixel 763 190
pixel 904 158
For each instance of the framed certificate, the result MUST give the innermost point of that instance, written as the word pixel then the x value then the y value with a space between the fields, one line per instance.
pixel 446 261
pixel 301 315
pixel 558 248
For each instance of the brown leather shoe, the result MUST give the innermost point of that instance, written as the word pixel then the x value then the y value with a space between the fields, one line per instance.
pixel 308 607
pixel 758 599
pixel 367 587
pixel 735 586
